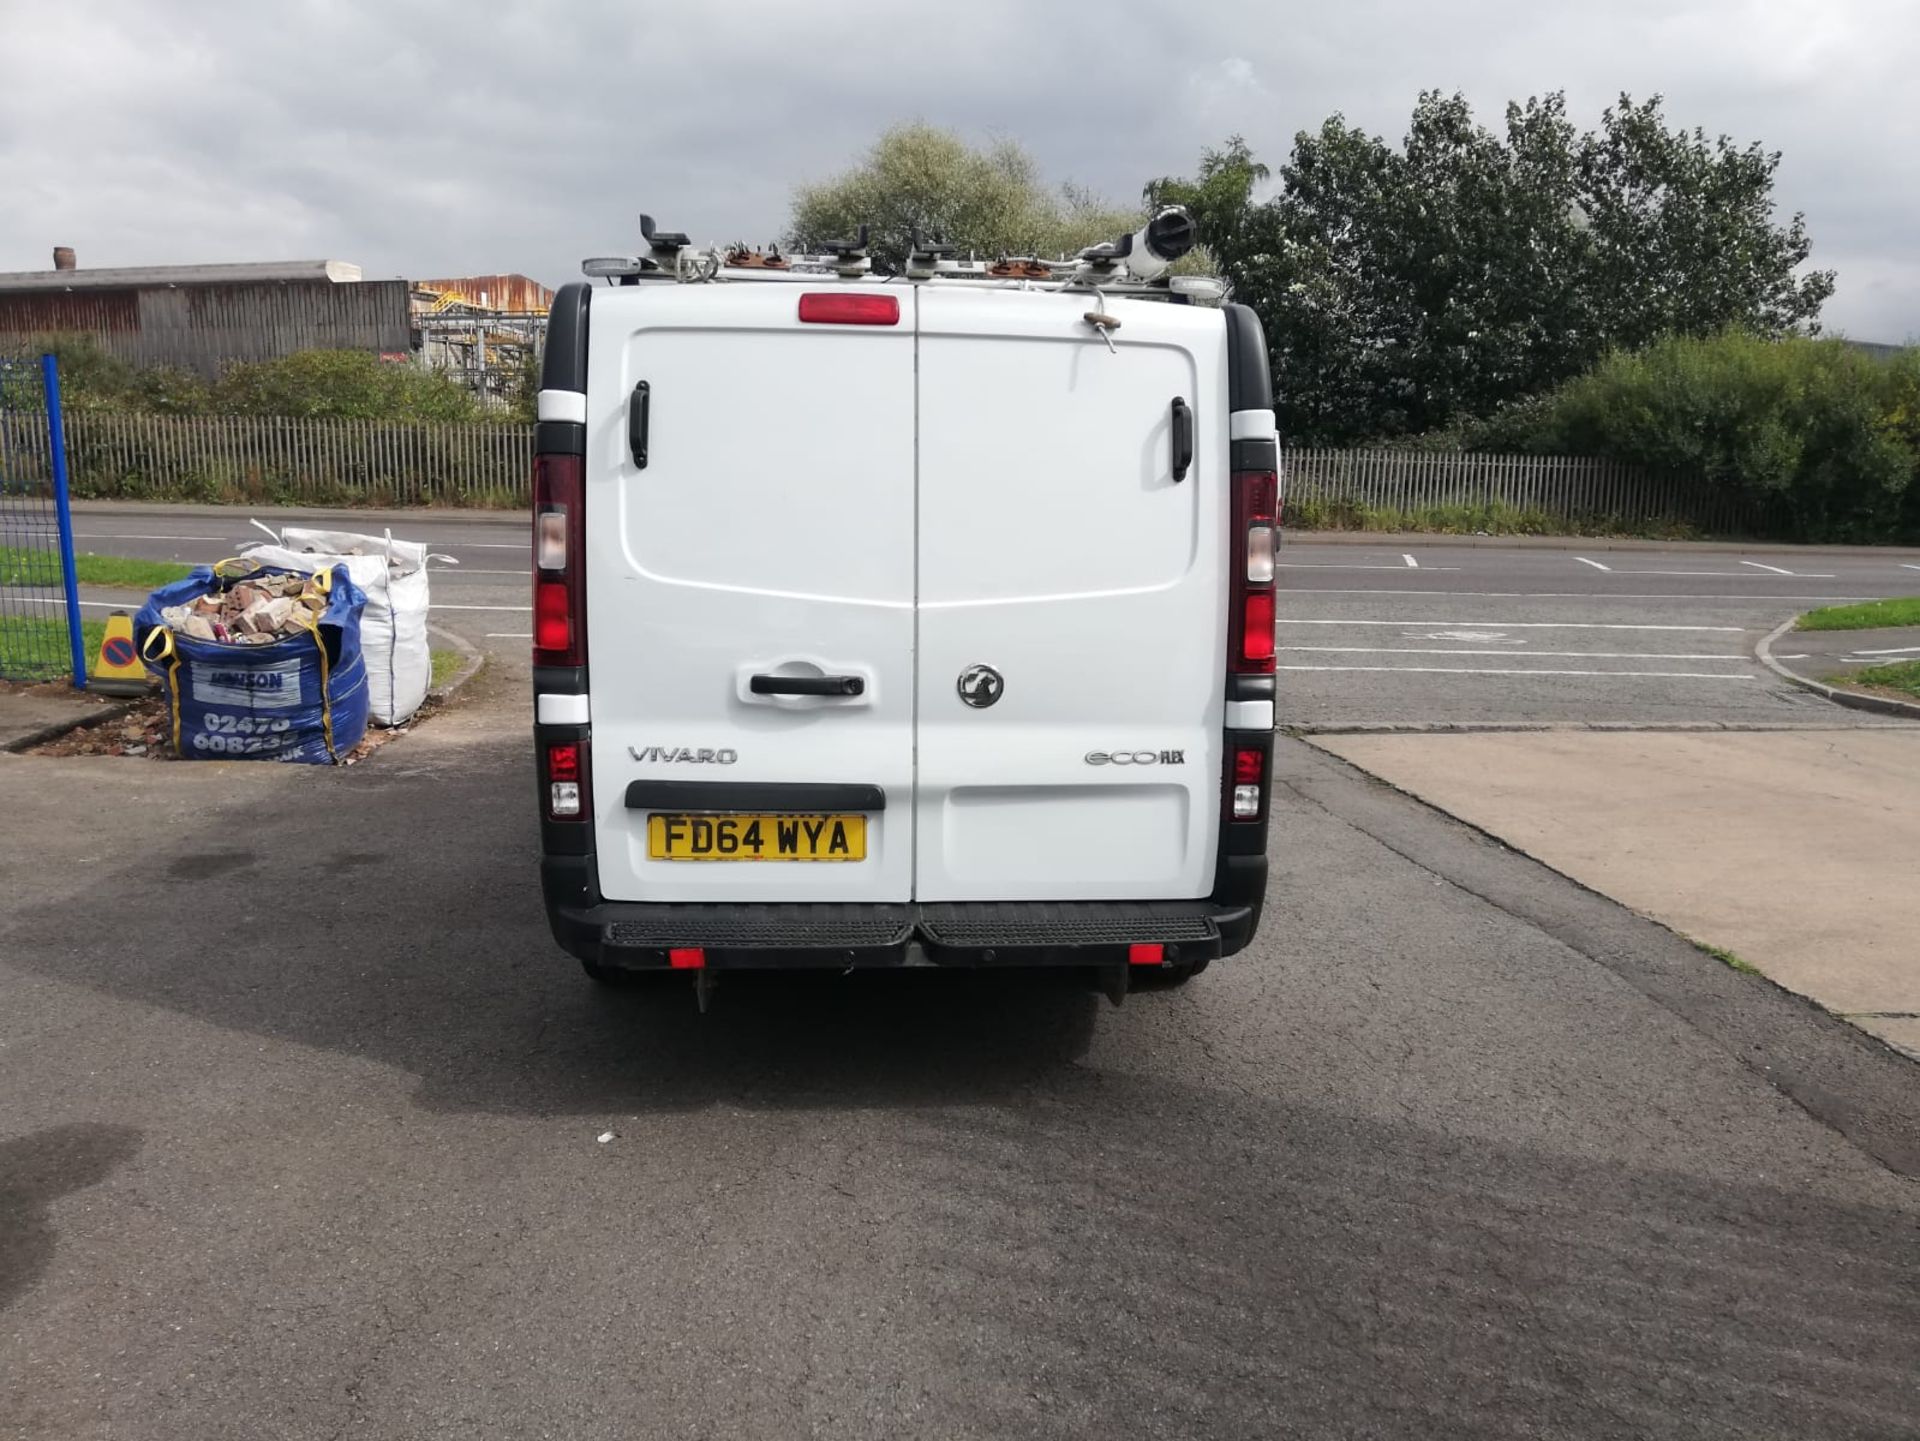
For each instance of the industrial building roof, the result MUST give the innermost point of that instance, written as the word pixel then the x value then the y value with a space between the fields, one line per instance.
pixel 134 277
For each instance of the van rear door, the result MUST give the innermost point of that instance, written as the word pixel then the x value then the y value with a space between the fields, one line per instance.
pixel 761 554
pixel 1063 546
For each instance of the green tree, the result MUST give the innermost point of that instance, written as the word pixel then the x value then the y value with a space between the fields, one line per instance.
pixel 989 202
pixel 1406 290
pixel 1219 198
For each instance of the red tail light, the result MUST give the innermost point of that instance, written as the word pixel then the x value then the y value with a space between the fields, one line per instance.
pixel 569 781
pixel 559 568
pixel 829 308
pixel 688 958
pixel 1250 616
pixel 1248 797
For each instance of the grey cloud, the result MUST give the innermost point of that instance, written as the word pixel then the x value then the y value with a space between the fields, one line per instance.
pixel 420 136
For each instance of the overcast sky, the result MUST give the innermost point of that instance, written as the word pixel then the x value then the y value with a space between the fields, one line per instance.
pixel 424 137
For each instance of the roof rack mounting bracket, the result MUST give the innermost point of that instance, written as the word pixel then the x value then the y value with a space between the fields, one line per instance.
pixel 667 243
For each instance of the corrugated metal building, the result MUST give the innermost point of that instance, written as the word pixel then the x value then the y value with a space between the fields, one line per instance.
pixel 204 317
pixel 503 294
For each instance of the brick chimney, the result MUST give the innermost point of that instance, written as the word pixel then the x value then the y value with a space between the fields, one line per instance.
pixel 63 258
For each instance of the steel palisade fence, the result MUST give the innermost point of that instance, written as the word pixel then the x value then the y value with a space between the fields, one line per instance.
pixel 363 462
pixel 269 460
pixel 1556 487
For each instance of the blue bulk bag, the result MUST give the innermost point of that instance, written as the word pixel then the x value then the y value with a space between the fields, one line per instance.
pixel 301 699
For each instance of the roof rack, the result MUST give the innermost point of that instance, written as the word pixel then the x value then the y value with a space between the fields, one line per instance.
pixel 1135 264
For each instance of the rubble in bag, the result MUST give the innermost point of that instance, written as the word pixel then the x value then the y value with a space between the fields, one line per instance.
pixel 254 612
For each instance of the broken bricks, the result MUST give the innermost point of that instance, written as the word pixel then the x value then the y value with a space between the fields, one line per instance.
pixel 255 611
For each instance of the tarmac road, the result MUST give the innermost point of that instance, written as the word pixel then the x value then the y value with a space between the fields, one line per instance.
pixel 302 1120
pixel 1370 633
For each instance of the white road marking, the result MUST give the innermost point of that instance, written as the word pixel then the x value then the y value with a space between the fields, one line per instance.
pixel 509 635
pixel 1463 635
pixel 462 570
pixel 99 535
pixel 1296 565
pixel 438 606
pixel 1905 566
pixel 1524 670
pixel 1553 654
pixel 1412 564
pixel 1594 563
pixel 1748 596
pixel 1727 574
pixel 1774 568
pixel 1499 625
pixel 1902 650
pixel 483 545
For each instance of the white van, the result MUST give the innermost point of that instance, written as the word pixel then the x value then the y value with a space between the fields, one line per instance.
pixel 923 619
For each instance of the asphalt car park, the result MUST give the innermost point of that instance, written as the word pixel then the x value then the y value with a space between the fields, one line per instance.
pixel 1440 634
pixel 310 1130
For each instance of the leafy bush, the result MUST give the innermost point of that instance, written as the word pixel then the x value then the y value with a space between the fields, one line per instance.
pixel 1818 439
pixel 1488 517
pixel 350 384
pixel 343 384
pixel 92 378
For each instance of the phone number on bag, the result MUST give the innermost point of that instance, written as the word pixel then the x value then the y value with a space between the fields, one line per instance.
pixel 241 735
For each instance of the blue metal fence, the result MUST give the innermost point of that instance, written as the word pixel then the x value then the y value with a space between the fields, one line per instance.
pixel 40 635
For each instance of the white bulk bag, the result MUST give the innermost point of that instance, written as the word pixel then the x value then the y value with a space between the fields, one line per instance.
pixel 393 629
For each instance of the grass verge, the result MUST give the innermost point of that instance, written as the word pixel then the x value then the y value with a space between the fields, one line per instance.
pixel 35 649
pixel 1490 518
pixel 1727 958
pixel 1867 615
pixel 1901 678
pixel 19 566
pixel 446 665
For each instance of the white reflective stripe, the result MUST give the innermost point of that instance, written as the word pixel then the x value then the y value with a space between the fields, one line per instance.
pixel 1245 425
pixel 561 710
pixel 563 405
pixel 1250 715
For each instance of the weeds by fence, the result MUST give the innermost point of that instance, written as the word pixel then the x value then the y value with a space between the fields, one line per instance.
pixel 260 461
pixel 1538 492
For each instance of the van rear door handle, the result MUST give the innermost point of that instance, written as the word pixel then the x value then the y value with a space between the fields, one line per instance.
pixel 639 407
pixel 1182 438
pixel 807 685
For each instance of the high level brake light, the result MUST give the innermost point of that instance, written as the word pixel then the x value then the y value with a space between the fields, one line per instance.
pixel 559 573
pixel 1250 618
pixel 826 307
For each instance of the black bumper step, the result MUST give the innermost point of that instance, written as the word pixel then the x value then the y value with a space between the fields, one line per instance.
pixel 759 927
pixel 1085 923
pixel 1022 933
pixel 1010 933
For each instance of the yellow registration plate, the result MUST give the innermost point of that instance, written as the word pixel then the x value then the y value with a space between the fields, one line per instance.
pixel 738 837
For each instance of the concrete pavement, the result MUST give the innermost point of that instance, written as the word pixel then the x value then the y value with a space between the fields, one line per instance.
pixel 28 712
pixel 303 1116
pixel 1797 852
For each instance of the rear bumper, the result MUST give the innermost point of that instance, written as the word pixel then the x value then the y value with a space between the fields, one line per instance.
pixel 637 936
